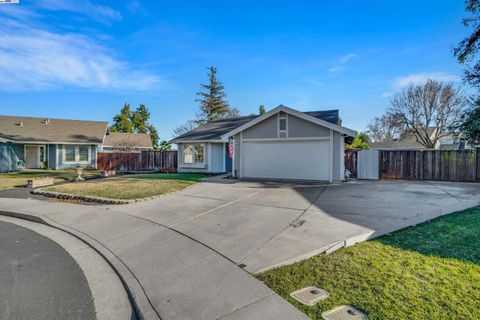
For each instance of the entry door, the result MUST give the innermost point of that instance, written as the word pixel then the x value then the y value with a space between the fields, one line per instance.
pixel 32 156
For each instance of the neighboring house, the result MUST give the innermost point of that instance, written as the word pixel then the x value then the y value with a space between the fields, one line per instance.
pixel 282 144
pixel 126 142
pixel 409 142
pixel 57 143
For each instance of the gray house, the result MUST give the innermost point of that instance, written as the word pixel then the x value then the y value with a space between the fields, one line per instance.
pixel 52 143
pixel 282 144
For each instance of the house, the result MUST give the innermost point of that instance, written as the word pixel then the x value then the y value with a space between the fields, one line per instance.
pixel 57 143
pixel 126 142
pixel 408 141
pixel 282 144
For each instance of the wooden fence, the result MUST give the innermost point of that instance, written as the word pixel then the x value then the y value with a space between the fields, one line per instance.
pixel 143 161
pixel 351 160
pixel 430 165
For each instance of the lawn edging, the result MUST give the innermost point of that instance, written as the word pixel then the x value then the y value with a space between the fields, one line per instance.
pixel 99 200
pixel 136 294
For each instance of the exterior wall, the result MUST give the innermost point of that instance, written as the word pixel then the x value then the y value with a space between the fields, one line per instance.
pixel 262 130
pixel 236 155
pixel 338 156
pixel 216 158
pixel 51 156
pixel 196 167
pixel 61 165
pixel 298 128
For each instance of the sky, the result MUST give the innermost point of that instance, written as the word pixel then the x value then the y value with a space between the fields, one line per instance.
pixel 83 59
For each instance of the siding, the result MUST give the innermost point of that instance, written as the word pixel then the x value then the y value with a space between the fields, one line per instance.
pixel 263 130
pixel 61 165
pixel 217 157
pixel 193 167
pixel 336 156
pixel 298 128
pixel 8 158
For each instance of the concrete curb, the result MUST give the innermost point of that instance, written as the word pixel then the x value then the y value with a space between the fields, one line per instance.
pixel 137 296
pixel 109 297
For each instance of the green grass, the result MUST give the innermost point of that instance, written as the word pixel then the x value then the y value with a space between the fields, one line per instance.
pixel 19 179
pixel 430 271
pixel 130 187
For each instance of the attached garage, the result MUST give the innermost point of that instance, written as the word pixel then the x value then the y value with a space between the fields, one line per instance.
pixel 303 160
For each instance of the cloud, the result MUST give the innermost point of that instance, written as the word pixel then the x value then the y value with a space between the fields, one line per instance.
pixel 342 61
pixel 97 12
pixel 32 59
pixel 386 95
pixel 418 78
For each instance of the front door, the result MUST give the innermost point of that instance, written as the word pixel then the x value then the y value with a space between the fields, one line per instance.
pixel 33 155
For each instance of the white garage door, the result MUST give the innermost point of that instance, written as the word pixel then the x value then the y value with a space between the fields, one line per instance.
pixel 307 160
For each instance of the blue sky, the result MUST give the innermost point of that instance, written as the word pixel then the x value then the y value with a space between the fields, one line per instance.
pixel 82 59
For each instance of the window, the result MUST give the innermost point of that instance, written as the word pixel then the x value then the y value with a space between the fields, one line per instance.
pixel 76 154
pixel 70 154
pixel 193 153
pixel 42 153
pixel 199 153
pixel 282 125
pixel 188 154
pixel 83 154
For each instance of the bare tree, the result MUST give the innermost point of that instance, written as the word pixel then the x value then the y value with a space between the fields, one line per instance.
pixel 428 110
pixel 184 128
pixel 384 128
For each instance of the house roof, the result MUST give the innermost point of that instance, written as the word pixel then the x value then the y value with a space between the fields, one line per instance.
pixel 136 140
pixel 217 129
pixel 409 142
pixel 47 130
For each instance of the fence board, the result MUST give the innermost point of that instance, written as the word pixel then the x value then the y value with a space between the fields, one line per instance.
pixel 142 161
pixel 430 165
pixel 351 160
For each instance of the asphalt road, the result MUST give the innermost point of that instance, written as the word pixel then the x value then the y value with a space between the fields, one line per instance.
pixel 39 279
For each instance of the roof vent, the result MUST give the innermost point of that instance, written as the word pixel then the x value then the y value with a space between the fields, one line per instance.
pixel 46 121
pixel 20 123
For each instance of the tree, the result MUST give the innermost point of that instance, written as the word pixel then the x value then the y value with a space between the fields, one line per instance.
pixel 122 121
pixel 184 128
pixel 213 103
pixel 428 110
pixel 261 110
pixel 165 146
pixel 135 121
pixel 468 48
pixel 384 128
pixel 360 141
pixel 469 123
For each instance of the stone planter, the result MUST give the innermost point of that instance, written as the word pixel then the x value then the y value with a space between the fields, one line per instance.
pixel 79 174
pixel 35 183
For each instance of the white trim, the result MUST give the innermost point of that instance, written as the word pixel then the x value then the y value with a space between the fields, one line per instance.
pixel 279 131
pixel 181 161
pixel 330 178
pixel 233 157
pixel 52 142
pixel 224 168
pixel 242 155
pixel 77 155
pixel 198 141
pixel 342 157
pixel 56 156
pixel 288 139
pixel 293 112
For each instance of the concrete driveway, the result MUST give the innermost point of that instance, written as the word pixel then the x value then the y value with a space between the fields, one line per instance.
pixel 260 225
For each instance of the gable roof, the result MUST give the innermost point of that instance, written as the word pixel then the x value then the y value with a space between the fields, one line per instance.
pixel 47 130
pixel 299 114
pixel 213 130
pixel 134 140
pixel 220 130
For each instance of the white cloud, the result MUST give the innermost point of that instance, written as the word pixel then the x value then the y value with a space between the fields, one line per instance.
pixel 419 78
pixel 342 61
pixel 386 95
pixel 97 12
pixel 32 59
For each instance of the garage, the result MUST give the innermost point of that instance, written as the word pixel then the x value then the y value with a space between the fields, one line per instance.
pixel 303 160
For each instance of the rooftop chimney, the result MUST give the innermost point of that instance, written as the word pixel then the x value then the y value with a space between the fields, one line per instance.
pixel 20 124
pixel 46 121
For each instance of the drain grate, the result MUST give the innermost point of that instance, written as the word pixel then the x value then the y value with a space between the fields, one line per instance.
pixel 344 313
pixel 310 295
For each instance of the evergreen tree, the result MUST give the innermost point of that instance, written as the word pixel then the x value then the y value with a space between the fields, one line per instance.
pixel 165 146
pixel 213 104
pixel 153 135
pixel 140 118
pixel 470 122
pixel 261 110
pixel 122 122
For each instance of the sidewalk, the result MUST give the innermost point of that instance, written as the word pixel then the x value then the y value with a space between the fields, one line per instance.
pixel 169 275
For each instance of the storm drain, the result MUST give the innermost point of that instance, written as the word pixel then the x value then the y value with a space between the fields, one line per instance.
pixel 310 295
pixel 344 313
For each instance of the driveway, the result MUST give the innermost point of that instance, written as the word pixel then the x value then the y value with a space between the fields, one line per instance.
pixel 260 225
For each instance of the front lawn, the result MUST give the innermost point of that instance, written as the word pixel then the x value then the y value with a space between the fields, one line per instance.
pixel 130 187
pixel 430 271
pixel 19 179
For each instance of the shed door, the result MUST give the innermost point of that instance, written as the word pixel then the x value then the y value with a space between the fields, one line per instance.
pixel 304 160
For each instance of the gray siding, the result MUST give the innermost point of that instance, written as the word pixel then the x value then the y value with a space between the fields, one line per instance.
pixel 336 156
pixel 61 165
pixel 217 157
pixel 8 158
pixel 298 128
pixel 236 155
pixel 182 167
pixel 263 130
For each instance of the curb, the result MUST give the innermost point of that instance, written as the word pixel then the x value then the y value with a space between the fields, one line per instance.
pixel 142 307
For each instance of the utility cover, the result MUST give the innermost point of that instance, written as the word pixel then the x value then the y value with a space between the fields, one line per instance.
pixel 310 295
pixel 344 313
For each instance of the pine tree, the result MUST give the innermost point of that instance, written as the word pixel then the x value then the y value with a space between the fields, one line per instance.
pixel 213 104
pixel 139 119
pixel 122 122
